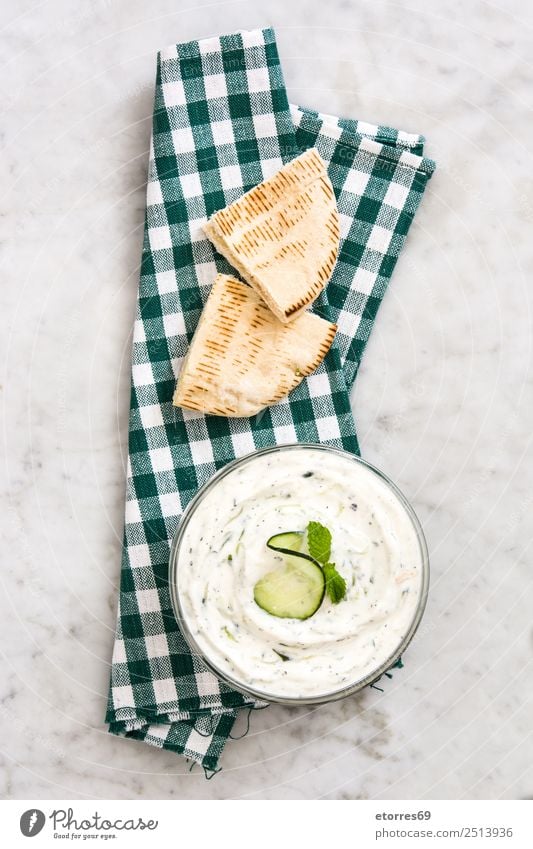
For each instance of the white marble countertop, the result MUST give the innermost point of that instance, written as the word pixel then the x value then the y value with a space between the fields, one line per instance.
pixel 441 401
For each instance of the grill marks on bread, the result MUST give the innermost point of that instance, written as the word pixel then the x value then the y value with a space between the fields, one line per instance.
pixel 242 358
pixel 283 235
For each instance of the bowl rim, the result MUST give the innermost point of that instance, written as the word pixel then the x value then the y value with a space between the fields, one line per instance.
pixel 252 692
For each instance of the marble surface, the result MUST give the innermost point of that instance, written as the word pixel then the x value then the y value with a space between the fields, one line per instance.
pixel 443 401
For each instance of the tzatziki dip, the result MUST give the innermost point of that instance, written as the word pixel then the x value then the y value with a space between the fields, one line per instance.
pixel 291 626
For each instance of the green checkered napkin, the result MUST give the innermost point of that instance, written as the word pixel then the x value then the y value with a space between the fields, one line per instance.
pixel 221 124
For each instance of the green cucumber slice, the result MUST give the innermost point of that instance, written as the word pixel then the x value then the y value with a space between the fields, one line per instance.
pixel 288 541
pixel 294 590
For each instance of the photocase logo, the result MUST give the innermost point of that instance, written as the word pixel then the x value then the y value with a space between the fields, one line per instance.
pixel 32 822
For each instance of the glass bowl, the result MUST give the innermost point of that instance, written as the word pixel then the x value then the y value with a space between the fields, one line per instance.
pixel 239 685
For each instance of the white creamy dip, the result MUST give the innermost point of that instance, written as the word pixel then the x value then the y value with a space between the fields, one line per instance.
pixel 223 554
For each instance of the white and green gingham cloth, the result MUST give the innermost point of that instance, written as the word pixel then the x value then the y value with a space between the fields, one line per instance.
pixel 222 123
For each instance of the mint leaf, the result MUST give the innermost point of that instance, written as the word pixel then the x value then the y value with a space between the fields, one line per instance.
pixel 335 583
pixel 319 542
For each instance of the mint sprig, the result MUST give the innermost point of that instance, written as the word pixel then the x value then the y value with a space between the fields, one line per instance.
pixel 335 583
pixel 319 542
pixel 319 545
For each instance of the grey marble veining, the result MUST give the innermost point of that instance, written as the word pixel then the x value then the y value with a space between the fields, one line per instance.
pixel 443 401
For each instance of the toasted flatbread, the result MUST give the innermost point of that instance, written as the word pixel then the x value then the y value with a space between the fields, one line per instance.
pixel 283 235
pixel 243 359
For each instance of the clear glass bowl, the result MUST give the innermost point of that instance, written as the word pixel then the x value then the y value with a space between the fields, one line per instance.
pixel 238 685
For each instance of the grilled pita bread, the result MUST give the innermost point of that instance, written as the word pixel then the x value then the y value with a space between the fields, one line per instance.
pixel 243 359
pixel 283 235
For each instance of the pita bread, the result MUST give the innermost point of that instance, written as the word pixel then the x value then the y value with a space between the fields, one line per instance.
pixel 241 358
pixel 283 235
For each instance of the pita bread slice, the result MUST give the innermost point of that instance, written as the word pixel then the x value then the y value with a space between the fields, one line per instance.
pixel 283 235
pixel 241 358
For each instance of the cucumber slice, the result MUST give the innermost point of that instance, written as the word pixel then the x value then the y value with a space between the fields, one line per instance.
pixel 288 541
pixel 294 590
